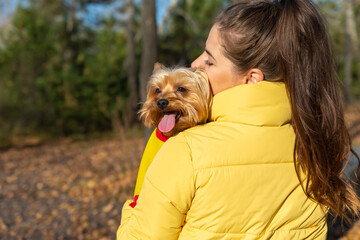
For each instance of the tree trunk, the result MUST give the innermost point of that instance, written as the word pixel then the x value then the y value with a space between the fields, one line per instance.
pixel 355 36
pixel 149 49
pixel 169 12
pixel 118 128
pixel 131 63
pixel 69 55
pixel 351 45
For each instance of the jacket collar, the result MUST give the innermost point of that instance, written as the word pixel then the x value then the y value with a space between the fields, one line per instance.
pixel 261 104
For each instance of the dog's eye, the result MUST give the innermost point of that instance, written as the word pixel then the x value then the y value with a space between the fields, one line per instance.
pixel 158 90
pixel 181 89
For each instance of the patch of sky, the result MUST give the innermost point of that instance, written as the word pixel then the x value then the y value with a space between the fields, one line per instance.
pixel 96 12
pixel 93 13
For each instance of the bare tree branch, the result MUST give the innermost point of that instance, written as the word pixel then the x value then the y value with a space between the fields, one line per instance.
pixel 167 17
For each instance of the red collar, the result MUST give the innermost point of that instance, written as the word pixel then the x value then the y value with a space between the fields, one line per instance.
pixel 161 136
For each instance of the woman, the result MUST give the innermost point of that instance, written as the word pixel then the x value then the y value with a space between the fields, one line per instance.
pixel 269 164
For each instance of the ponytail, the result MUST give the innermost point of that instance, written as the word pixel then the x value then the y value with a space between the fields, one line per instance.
pixel 323 144
pixel 288 41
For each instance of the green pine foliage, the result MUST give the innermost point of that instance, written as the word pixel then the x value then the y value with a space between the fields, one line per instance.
pixel 185 33
pixel 61 77
pixel 333 12
pixel 58 81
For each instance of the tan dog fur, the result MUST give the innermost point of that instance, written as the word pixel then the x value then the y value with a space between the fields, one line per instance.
pixel 187 92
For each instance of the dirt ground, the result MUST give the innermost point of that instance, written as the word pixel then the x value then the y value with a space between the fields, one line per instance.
pixel 75 190
pixel 352 118
pixel 66 190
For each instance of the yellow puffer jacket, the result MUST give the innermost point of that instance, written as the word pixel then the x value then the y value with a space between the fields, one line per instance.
pixel 153 146
pixel 232 178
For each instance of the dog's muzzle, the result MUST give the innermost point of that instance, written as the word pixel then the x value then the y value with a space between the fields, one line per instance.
pixel 162 103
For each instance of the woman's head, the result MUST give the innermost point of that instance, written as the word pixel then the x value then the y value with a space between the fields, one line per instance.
pixel 254 40
pixel 247 31
pixel 221 71
pixel 241 46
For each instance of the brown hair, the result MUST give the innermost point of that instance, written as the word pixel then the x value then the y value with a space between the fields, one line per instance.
pixel 288 42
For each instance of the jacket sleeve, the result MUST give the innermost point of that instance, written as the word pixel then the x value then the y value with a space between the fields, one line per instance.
pixel 165 196
pixel 151 149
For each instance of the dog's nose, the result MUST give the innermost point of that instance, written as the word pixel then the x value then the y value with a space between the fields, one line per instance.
pixel 162 103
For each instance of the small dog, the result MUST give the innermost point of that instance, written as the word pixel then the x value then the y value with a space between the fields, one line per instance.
pixel 177 99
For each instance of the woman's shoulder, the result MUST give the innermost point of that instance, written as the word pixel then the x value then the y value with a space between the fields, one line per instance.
pixel 200 134
pixel 191 140
pixel 222 143
pixel 202 143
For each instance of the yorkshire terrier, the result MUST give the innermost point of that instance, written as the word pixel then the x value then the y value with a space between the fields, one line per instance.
pixel 177 99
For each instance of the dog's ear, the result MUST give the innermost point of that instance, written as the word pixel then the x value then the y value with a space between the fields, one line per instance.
pixel 157 66
pixel 201 72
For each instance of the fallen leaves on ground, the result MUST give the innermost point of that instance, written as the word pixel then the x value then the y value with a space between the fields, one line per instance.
pixel 76 190
pixel 353 233
pixel 352 119
pixel 67 190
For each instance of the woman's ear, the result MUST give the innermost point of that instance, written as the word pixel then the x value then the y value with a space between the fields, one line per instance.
pixel 255 75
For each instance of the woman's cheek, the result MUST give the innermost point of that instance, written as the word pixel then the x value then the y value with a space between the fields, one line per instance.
pixel 211 82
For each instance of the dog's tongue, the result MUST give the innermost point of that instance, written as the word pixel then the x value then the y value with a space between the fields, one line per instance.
pixel 167 123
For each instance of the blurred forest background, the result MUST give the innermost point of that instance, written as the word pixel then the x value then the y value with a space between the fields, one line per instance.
pixel 62 75
pixel 67 74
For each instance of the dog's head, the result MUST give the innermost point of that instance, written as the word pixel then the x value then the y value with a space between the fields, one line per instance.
pixel 177 99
